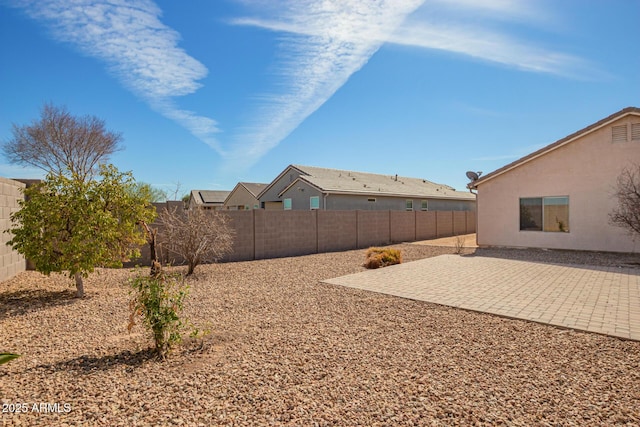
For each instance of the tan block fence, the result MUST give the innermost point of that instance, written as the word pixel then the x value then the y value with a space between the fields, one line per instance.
pixel 263 234
pixel 11 262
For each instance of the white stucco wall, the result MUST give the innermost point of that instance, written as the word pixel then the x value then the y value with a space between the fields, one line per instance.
pixel 586 170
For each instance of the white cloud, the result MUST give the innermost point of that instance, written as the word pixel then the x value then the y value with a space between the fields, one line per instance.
pixel 485 44
pixel 326 42
pixel 322 43
pixel 136 46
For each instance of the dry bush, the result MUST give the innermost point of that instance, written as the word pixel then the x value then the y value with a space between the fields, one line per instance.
pixel 627 191
pixel 197 235
pixel 381 257
pixel 459 244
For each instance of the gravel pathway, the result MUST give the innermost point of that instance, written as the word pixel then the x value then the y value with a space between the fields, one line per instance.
pixel 285 349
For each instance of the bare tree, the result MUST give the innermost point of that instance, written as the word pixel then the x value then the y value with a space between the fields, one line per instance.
pixel 197 235
pixel 627 213
pixel 62 144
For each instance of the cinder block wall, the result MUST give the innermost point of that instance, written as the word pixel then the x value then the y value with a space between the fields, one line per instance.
pixel 337 230
pixel 444 223
pixel 261 234
pixel 374 228
pixel 426 225
pixel 11 262
pixel 402 226
pixel 284 233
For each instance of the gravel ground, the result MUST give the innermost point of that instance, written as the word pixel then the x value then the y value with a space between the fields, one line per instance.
pixel 285 349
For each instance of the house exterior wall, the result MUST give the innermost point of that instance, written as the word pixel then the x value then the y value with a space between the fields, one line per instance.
pixel 11 262
pixel 586 171
pixel 301 192
pixel 241 199
pixel 286 178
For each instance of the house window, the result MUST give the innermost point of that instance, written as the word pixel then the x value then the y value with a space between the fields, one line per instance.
pixel 424 205
pixel 255 206
pixel 544 214
pixel 314 202
pixel 286 204
pixel 409 205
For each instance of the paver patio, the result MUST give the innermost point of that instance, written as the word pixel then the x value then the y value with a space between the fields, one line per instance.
pixel 604 300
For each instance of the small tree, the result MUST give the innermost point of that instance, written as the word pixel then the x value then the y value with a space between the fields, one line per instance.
pixel 62 144
pixel 627 213
pixel 70 225
pixel 159 299
pixel 197 235
pixel 156 195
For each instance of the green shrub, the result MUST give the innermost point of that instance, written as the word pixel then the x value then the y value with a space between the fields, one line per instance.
pixel 160 300
pixel 379 257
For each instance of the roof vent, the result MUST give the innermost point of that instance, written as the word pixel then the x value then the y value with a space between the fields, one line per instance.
pixel 635 131
pixel 619 133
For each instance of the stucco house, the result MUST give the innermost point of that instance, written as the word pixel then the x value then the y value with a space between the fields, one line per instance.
pixel 207 199
pixel 305 187
pixel 560 196
pixel 244 196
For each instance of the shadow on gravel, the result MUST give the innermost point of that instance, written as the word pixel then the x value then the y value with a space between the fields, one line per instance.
pixel 27 300
pixel 87 364
pixel 558 256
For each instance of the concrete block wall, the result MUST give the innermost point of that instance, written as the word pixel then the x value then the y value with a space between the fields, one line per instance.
pixel 11 262
pixel 402 226
pixel 459 220
pixel 285 233
pixel 336 230
pixel 426 225
pixel 261 234
pixel 444 223
pixel 373 228
pixel 244 240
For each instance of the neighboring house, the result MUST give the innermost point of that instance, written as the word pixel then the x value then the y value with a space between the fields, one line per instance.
pixel 561 196
pixel 244 196
pixel 207 199
pixel 305 187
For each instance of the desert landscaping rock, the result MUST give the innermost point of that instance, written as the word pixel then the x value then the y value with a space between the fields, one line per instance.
pixel 284 349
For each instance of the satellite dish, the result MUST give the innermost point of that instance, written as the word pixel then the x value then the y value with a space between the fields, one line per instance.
pixel 473 176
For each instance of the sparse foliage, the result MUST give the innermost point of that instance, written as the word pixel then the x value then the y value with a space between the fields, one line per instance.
pixel 627 213
pixel 62 144
pixel 197 235
pixel 154 194
pixel 75 226
pixel 159 299
pixel 459 244
pixel 381 257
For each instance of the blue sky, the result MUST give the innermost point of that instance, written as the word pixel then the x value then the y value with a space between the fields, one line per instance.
pixel 209 93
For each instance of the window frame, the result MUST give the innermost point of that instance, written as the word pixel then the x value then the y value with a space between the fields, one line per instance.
pixel 409 204
pixel 284 204
pixel 545 201
pixel 311 198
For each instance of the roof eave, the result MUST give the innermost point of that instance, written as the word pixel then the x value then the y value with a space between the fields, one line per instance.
pixel 555 145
